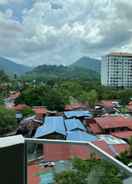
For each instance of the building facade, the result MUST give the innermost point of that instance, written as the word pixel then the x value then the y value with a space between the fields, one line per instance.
pixel 116 70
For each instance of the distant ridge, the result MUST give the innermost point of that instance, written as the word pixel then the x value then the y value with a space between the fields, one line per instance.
pixel 10 67
pixel 85 68
pixel 88 63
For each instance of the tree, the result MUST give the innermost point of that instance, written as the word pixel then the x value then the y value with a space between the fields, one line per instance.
pixel 130 146
pixel 7 120
pixel 90 97
pixel 27 112
pixel 90 171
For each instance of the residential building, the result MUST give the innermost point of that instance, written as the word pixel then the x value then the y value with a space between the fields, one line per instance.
pixel 116 70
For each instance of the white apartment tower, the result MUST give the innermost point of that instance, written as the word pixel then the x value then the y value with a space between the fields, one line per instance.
pixel 116 70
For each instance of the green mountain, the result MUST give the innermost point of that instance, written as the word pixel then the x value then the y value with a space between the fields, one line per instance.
pixel 88 63
pixel 49 72
pixel 11 67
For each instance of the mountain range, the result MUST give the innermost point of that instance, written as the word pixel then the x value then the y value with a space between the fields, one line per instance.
pixel 85 67
pixel 10 67
pixel 88 63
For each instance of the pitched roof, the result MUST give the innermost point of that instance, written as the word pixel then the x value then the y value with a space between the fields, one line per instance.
pixel 72 114
pixel 113 122
pixel 52 124
pixel 80 136
pixel 73 124
pixel 95 129
pixel 122 134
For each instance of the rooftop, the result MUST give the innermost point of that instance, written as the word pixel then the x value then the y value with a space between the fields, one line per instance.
pixel 74 124
pixel 80 136
pixel 52 124
pixel 108 122
pixel 125 54
pixel 123 134
pixel 72 114
pixel 95 129
pixel 109 139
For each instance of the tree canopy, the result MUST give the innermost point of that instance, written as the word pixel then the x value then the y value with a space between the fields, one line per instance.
pixel 88 172
pixel 7 120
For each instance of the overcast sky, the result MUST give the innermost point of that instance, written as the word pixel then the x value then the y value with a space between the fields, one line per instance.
pixel 35 32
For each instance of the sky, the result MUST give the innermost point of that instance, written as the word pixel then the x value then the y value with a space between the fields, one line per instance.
pixel 35 32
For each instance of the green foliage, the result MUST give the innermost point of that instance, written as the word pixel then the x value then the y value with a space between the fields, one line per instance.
pixel 7 120
pixel 3 76
pixel 45 96
pixel 50 72
pixel 90 171
pixel 123 157
pixel 130 146
pixel 27 112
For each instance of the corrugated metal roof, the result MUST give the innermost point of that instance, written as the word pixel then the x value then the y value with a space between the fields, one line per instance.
pixel 73 124
pixel 51 125
pixel 71 114
pixel 109 139
pixel 80 136
pixel 123 134
pixel 113 122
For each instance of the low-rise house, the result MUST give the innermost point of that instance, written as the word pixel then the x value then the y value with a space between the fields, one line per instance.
pixel 53 128
pixel 110 124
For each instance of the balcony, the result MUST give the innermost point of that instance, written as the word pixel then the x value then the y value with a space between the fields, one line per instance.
pixel 38 161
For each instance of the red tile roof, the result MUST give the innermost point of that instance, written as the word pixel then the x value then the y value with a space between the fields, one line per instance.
pixel 75 106
pixel 113 122
pixel 95 129
pixel 122 134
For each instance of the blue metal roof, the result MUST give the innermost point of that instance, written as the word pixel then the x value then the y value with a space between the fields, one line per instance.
pixel 80 136
pixel 71 114
pixel 74 124
pixel 52 124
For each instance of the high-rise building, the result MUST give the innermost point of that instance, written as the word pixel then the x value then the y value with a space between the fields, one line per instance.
pixel 116 70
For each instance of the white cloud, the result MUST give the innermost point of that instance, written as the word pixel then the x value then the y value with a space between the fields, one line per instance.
pixel 56 31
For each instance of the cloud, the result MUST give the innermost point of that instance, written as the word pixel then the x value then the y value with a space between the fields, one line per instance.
pixel 56 31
